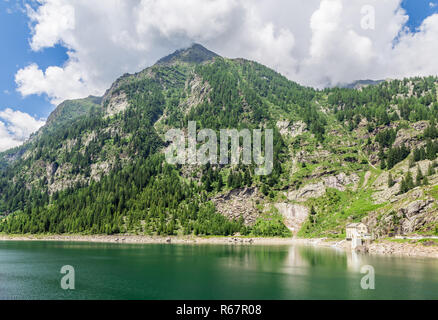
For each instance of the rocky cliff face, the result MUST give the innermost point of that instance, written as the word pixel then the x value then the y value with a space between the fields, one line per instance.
pixel 294 215
pixel 332 148
pixel 316 190
pixel 240 203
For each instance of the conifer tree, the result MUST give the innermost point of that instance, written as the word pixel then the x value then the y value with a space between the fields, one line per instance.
pixel 430 170
pixel 390 180
pixel 411 162
pixel 419 176
pixel 425 181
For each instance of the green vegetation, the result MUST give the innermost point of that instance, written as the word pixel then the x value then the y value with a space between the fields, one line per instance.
pixel 333 211
pixel 89 172
pixel 140 193
pixel 270 226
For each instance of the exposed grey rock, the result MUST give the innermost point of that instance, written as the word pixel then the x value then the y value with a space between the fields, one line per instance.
pixel 407 217
pixel 366 179
pixel 294 215
pixel 416 208
pixel 294 130
pixel 361 249
pixel 51 169
pixel 420 126
pixel 309 191
pixel 200 90
pixel 239 203
pixel 117 104
pixel 339 182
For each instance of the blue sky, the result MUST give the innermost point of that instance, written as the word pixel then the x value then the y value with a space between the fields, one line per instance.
pixel 418 10
pixel 16 53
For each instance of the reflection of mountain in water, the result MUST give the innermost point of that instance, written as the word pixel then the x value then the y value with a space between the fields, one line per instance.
pixel 326 257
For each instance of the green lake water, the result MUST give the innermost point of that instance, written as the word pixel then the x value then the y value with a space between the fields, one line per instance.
pixel 31 270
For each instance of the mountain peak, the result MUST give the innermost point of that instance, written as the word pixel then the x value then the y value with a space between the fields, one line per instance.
pixel 193 54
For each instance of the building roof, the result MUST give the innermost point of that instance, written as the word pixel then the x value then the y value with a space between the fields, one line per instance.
pixel 355 225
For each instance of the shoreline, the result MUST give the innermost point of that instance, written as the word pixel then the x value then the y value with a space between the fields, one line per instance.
pixel 381 247
pixel 413 250
pixel 137 239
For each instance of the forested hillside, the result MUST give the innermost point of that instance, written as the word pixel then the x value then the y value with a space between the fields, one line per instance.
pixel 340 155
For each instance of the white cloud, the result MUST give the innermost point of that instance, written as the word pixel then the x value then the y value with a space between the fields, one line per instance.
pixel 54 20
pixel 415 54
pixel 202 20
pixel 314 42
pixel 16 127
pixel 58 83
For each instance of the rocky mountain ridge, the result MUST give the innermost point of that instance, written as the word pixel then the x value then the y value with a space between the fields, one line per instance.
pixel 336 150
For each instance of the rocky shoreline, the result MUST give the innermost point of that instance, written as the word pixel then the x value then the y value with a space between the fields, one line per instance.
pixel 381 247
pixel 384 247
pixel 136 239
pixel 420 250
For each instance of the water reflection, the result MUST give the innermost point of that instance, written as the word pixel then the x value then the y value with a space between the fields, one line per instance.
pixel 323 257
pixel 355 261
pixel 124 271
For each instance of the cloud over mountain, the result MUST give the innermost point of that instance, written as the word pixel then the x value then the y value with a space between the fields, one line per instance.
pixel 16 127
pixel 314 42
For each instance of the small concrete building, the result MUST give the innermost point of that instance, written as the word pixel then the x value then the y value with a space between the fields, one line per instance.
pixel 357 233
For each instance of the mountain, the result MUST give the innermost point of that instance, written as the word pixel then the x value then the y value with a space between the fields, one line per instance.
pixel 340 156
pixel 194 54
pixel 361 84
pixel 70 110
